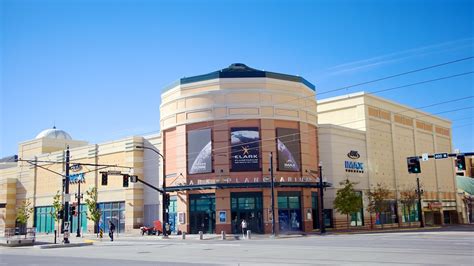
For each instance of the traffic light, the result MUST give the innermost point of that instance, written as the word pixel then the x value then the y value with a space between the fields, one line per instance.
pixel 166 200
pixel 460 162
pixel 73 210
pixel 104 178
pixel 414 165
pixel 61 214
pixel 125 180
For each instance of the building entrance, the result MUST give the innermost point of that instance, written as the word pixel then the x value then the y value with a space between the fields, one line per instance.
pixel 173 215
pixel 202 214
pixel 289 211
pixel 248 206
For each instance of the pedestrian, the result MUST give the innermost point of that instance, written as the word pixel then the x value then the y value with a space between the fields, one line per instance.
pixel 111 230
pixel 243 224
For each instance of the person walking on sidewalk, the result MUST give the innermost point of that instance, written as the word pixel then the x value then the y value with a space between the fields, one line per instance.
pixel 243 224
pixel 111 230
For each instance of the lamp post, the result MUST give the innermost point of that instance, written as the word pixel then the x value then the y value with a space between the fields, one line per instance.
pixel 321 198
pixel 320 187
pixel 163 186
pixel 79 197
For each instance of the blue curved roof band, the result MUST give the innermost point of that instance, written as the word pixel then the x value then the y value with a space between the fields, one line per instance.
pixel 239 70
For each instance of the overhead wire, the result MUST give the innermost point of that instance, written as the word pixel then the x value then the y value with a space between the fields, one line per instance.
pixel 356 85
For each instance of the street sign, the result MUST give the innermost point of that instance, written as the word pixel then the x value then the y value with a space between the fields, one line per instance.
pixel 112 172
pixel 424 157
pixel 441 155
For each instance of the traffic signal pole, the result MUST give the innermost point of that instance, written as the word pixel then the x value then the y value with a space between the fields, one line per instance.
pixel 164 213
pixel 420 210
pixel 66 217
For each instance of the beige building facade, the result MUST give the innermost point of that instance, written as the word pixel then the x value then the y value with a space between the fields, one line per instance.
pixel 367 139
pixel 39 175
pixel 218 134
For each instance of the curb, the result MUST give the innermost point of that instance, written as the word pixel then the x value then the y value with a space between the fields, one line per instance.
pixel 72 245
pixel 398 230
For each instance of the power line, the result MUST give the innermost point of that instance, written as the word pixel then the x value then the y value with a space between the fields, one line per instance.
pixel 394 88
pixel 355 85
pixel 400 74
pixel 345 123
pixel 425 81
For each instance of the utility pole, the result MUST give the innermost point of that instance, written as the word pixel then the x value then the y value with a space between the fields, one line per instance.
pixel 420 210
pixel 66 199
pixel 321 199
pixel 272 182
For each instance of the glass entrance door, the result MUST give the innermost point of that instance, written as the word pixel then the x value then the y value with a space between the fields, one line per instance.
pixel 202 214
pixel 173 215
pixel 289 211
pixel 248 207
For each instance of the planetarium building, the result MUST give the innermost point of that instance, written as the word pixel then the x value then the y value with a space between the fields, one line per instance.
pixel 219 131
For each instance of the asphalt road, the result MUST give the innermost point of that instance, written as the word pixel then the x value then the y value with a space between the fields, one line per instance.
pixel 447 247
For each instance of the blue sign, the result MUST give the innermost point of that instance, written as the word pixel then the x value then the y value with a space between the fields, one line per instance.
pixel 354 166
pixel 76 178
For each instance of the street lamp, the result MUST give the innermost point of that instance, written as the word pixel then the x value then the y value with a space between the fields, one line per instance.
pixel 321 191
pixel 163 186
pixel 272 183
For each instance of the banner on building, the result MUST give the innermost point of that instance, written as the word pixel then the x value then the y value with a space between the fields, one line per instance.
pixel 199 151
pixel 245 149
pixel 289 152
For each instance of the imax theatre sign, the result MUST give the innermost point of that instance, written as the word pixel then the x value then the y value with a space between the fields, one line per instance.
pixel 353 166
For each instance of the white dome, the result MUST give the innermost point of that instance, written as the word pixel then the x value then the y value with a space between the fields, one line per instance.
pixel 53 133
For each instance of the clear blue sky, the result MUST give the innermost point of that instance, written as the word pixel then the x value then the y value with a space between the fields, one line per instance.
pixel 96 68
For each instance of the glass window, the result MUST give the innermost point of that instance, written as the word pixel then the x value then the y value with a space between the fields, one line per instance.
pixel 114 212
pixel 282 202
pixel 294 202
pixel 315 210
pixel 357 219
pixel 389 216
pixel 410 215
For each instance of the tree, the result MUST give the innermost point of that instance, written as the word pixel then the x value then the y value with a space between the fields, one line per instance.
pixel 378 197
pixel 347 201
pixel 409 198
pixel 57 207
pixel 91 202
pixel 24 212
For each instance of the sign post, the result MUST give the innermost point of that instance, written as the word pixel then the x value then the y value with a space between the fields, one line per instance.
pixel 66 232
